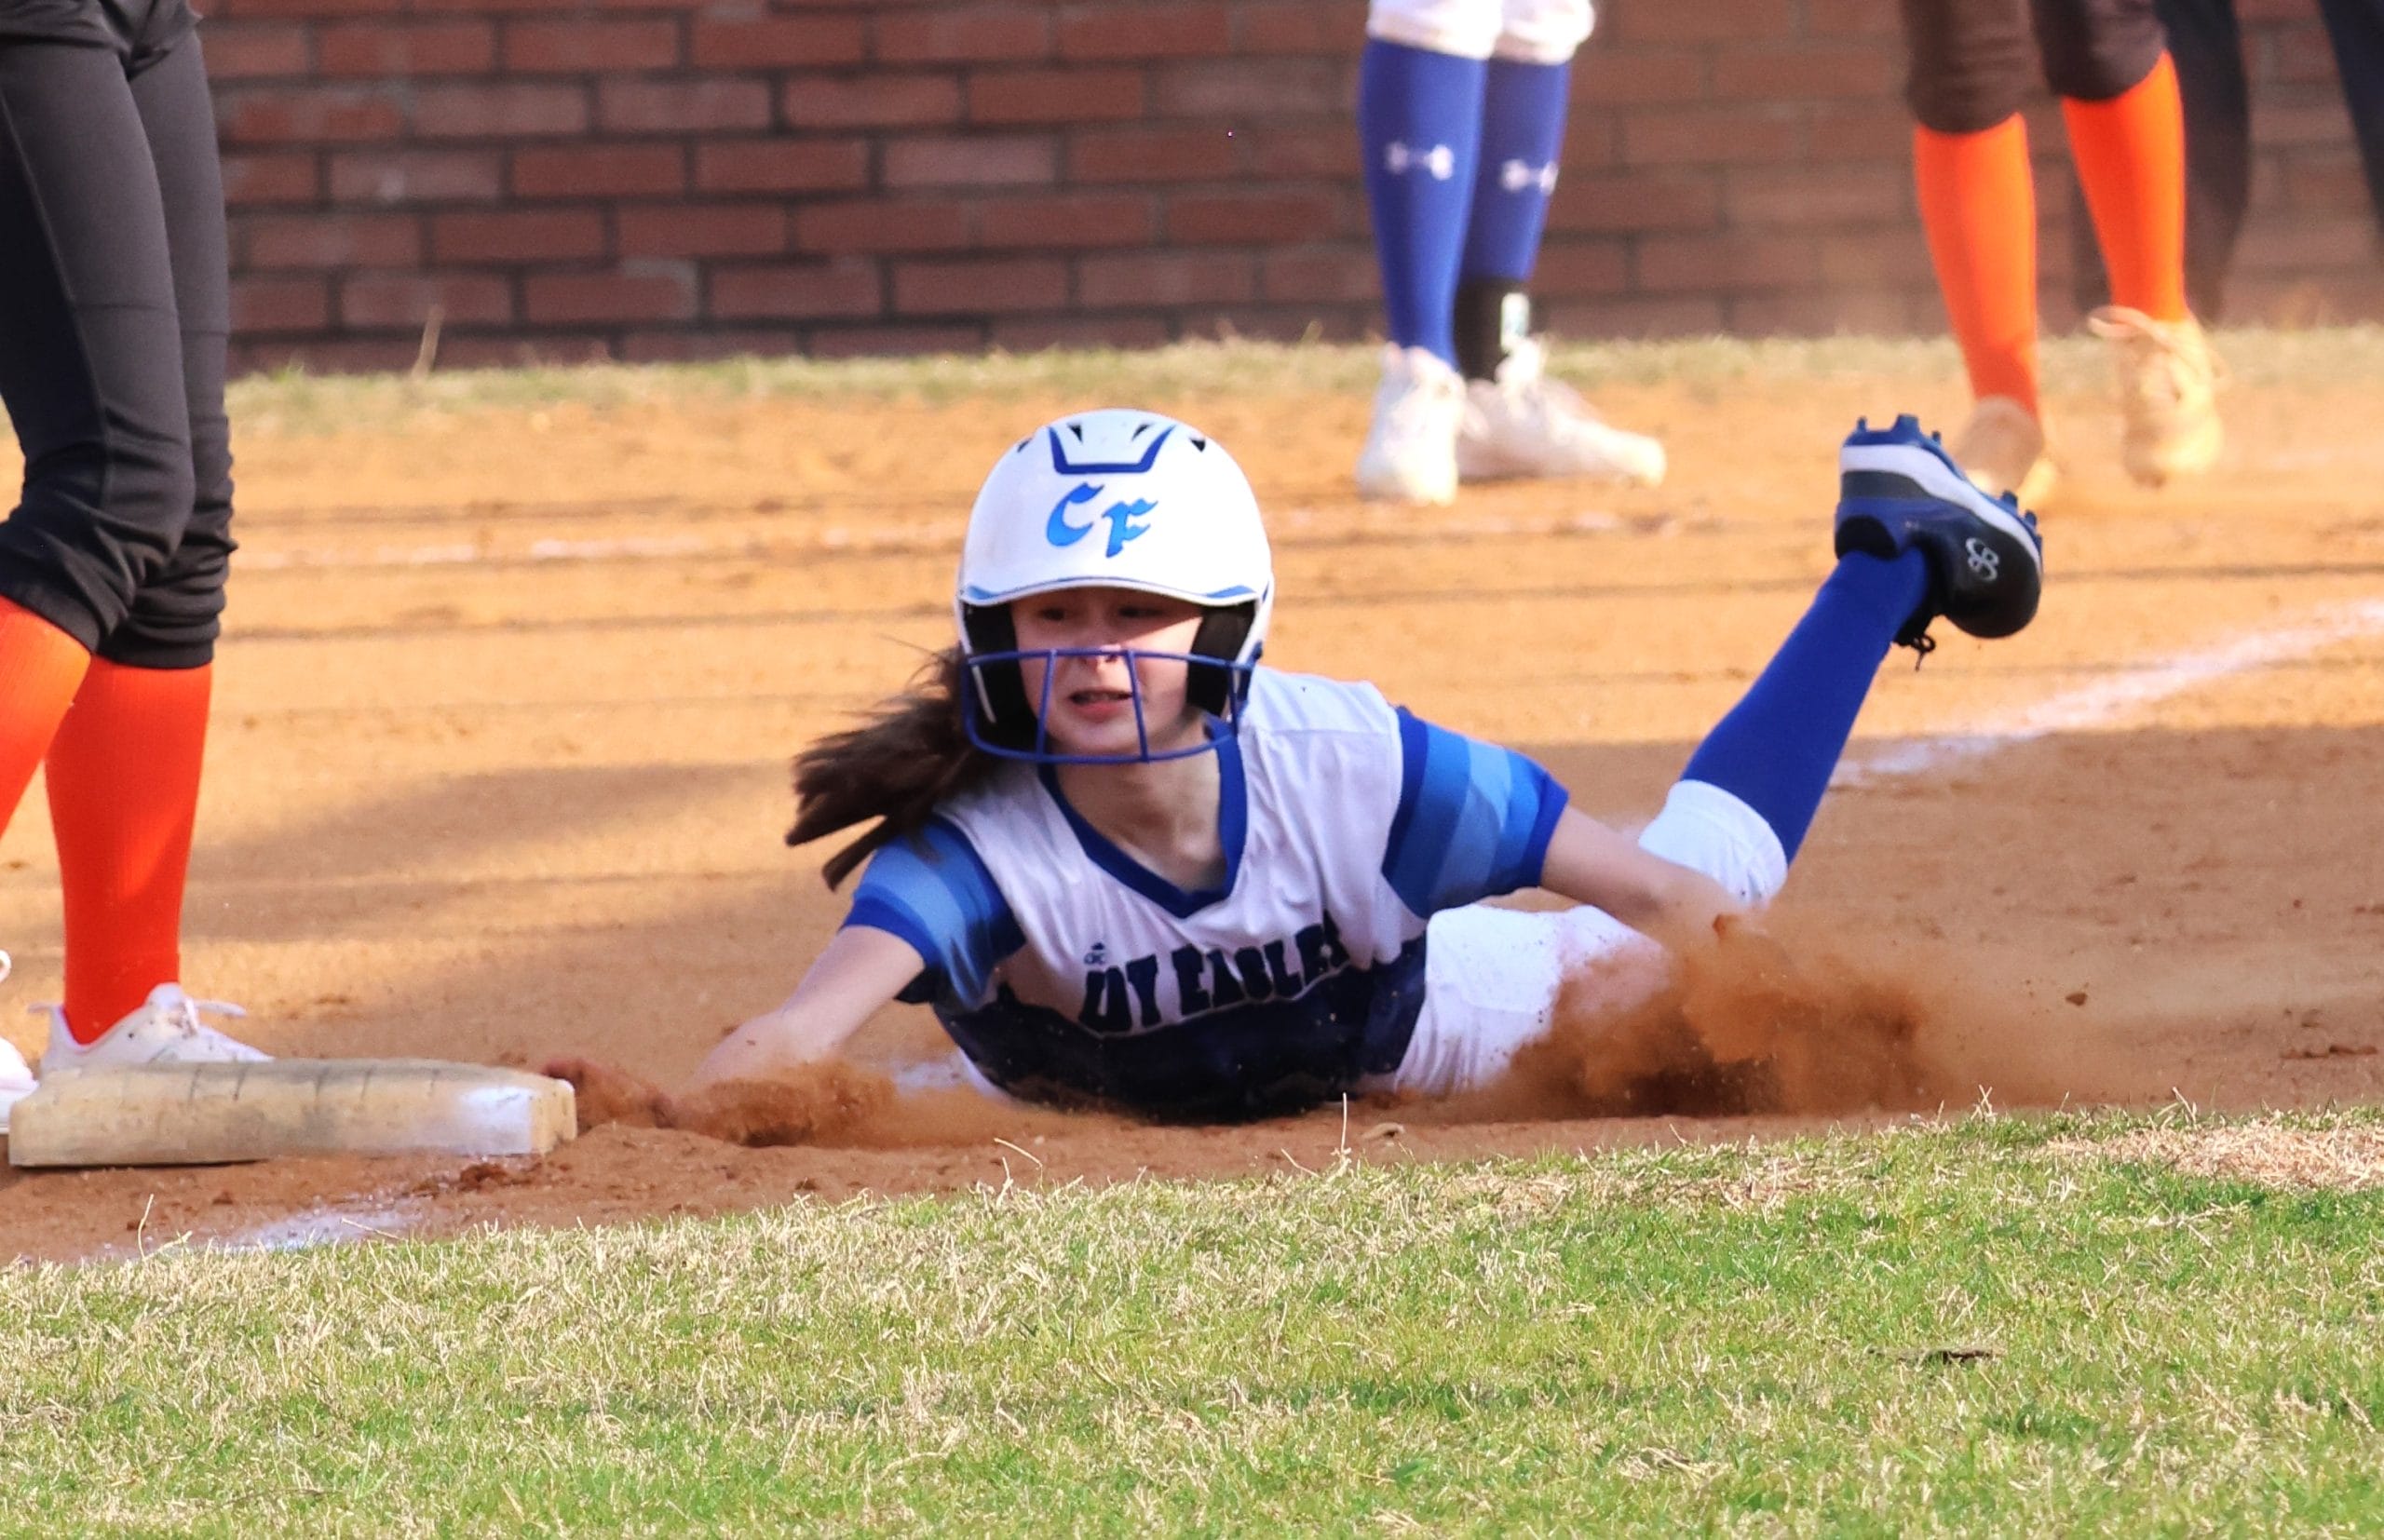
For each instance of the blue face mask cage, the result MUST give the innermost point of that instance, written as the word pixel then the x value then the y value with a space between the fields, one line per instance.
pixel 986 735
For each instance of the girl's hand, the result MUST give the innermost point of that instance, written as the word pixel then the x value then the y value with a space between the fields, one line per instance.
pixel 1589 863
pixel 1744 935
pixel 766 1044
pixel 860 971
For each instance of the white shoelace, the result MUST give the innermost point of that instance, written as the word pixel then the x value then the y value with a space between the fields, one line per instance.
pixel 2180 362
pixel 185 1014
pixel 182 1016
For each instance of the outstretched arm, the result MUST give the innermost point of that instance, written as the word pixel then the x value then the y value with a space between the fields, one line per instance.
pixel 1592 864
pixel 863 969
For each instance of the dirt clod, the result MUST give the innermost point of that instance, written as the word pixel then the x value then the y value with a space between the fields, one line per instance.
pixel 484 1174
pixel 796 1107
pixel 603 1094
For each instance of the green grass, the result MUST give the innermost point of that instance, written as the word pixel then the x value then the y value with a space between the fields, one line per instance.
pixel 1747 1339
pixel 294 401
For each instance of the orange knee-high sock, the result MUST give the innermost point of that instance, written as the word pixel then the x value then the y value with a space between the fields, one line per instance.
pixel 2130 156
pixel 1978 205
pixel 123 794
pixel 40 667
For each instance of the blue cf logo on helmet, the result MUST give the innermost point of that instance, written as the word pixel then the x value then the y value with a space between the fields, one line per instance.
pixel 1126 522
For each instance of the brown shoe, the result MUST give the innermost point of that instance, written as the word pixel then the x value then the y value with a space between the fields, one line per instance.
pixel 2168 394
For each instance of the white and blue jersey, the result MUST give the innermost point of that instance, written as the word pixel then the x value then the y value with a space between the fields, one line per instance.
pixel 1064 968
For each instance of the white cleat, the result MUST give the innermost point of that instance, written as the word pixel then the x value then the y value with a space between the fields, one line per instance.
pixel 1411 450
pixel 166 1030
pixel 1526 425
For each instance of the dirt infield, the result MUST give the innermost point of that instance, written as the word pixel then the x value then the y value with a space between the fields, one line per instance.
pixel 504 712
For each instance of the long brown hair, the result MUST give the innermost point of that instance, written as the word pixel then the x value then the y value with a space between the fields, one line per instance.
pixel 909 756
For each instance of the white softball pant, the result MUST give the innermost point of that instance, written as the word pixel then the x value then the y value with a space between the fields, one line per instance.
pixel 1532 31
pixel 1492 975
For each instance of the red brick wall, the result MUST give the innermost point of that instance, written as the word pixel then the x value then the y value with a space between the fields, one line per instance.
pixel 646 179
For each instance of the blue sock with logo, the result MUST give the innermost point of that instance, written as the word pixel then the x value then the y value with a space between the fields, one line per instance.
pixel 1777 748
pixel 1419 128
pixel 1523 139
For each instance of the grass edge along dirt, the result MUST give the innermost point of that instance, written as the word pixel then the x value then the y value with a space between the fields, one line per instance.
pixel 1997 1325
pixel 295 401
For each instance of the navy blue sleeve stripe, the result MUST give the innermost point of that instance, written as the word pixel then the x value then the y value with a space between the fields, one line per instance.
pixel 877 911
pixel 933 890
pixel 1414 741
pixel 1434 792
pixel 1473 821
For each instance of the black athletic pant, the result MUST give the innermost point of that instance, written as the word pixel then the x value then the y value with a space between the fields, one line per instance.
pixel 1973 61
pixel 2356 28
pixel 2207 43
pixel 113 317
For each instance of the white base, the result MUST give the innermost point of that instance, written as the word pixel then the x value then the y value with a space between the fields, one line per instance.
pixel 192 1114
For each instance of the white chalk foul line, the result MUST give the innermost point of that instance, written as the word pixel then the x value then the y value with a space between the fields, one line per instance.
pixel 324 1224
pixel 465 553
pixel 2111 700
pixel 933 540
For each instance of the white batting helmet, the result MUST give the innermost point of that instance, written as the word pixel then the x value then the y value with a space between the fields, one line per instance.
pixel 1120 499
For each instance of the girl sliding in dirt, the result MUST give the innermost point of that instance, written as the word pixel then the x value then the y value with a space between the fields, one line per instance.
pixel 1131 868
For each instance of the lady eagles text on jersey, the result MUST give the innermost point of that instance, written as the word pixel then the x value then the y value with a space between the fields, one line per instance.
pixel 1116 998
pixel 1062 968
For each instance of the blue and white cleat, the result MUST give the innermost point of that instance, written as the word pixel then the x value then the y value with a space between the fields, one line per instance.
pixel 1900 491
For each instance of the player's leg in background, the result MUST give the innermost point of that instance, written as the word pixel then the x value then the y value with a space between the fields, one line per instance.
pixel 1420 86
pixel 1525 106
pixel 104 429
pixel 1523 424
pixel 2108 61
pixel 1969 73
pixel 104 433
pixel 124 769
pixel 2206 46
pixel 2356 29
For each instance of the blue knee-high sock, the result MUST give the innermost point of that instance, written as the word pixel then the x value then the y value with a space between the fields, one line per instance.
pixel 1523 139
pixel 1777 748
pixel 1419 128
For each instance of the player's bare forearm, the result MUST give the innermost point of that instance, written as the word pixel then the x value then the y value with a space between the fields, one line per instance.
pixel 858 972
pixel 1592 864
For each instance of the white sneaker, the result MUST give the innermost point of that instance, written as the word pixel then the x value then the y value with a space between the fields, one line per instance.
pixel 166 1030
pixel 1411 450
pixel 2168 394
pixel 1528 424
